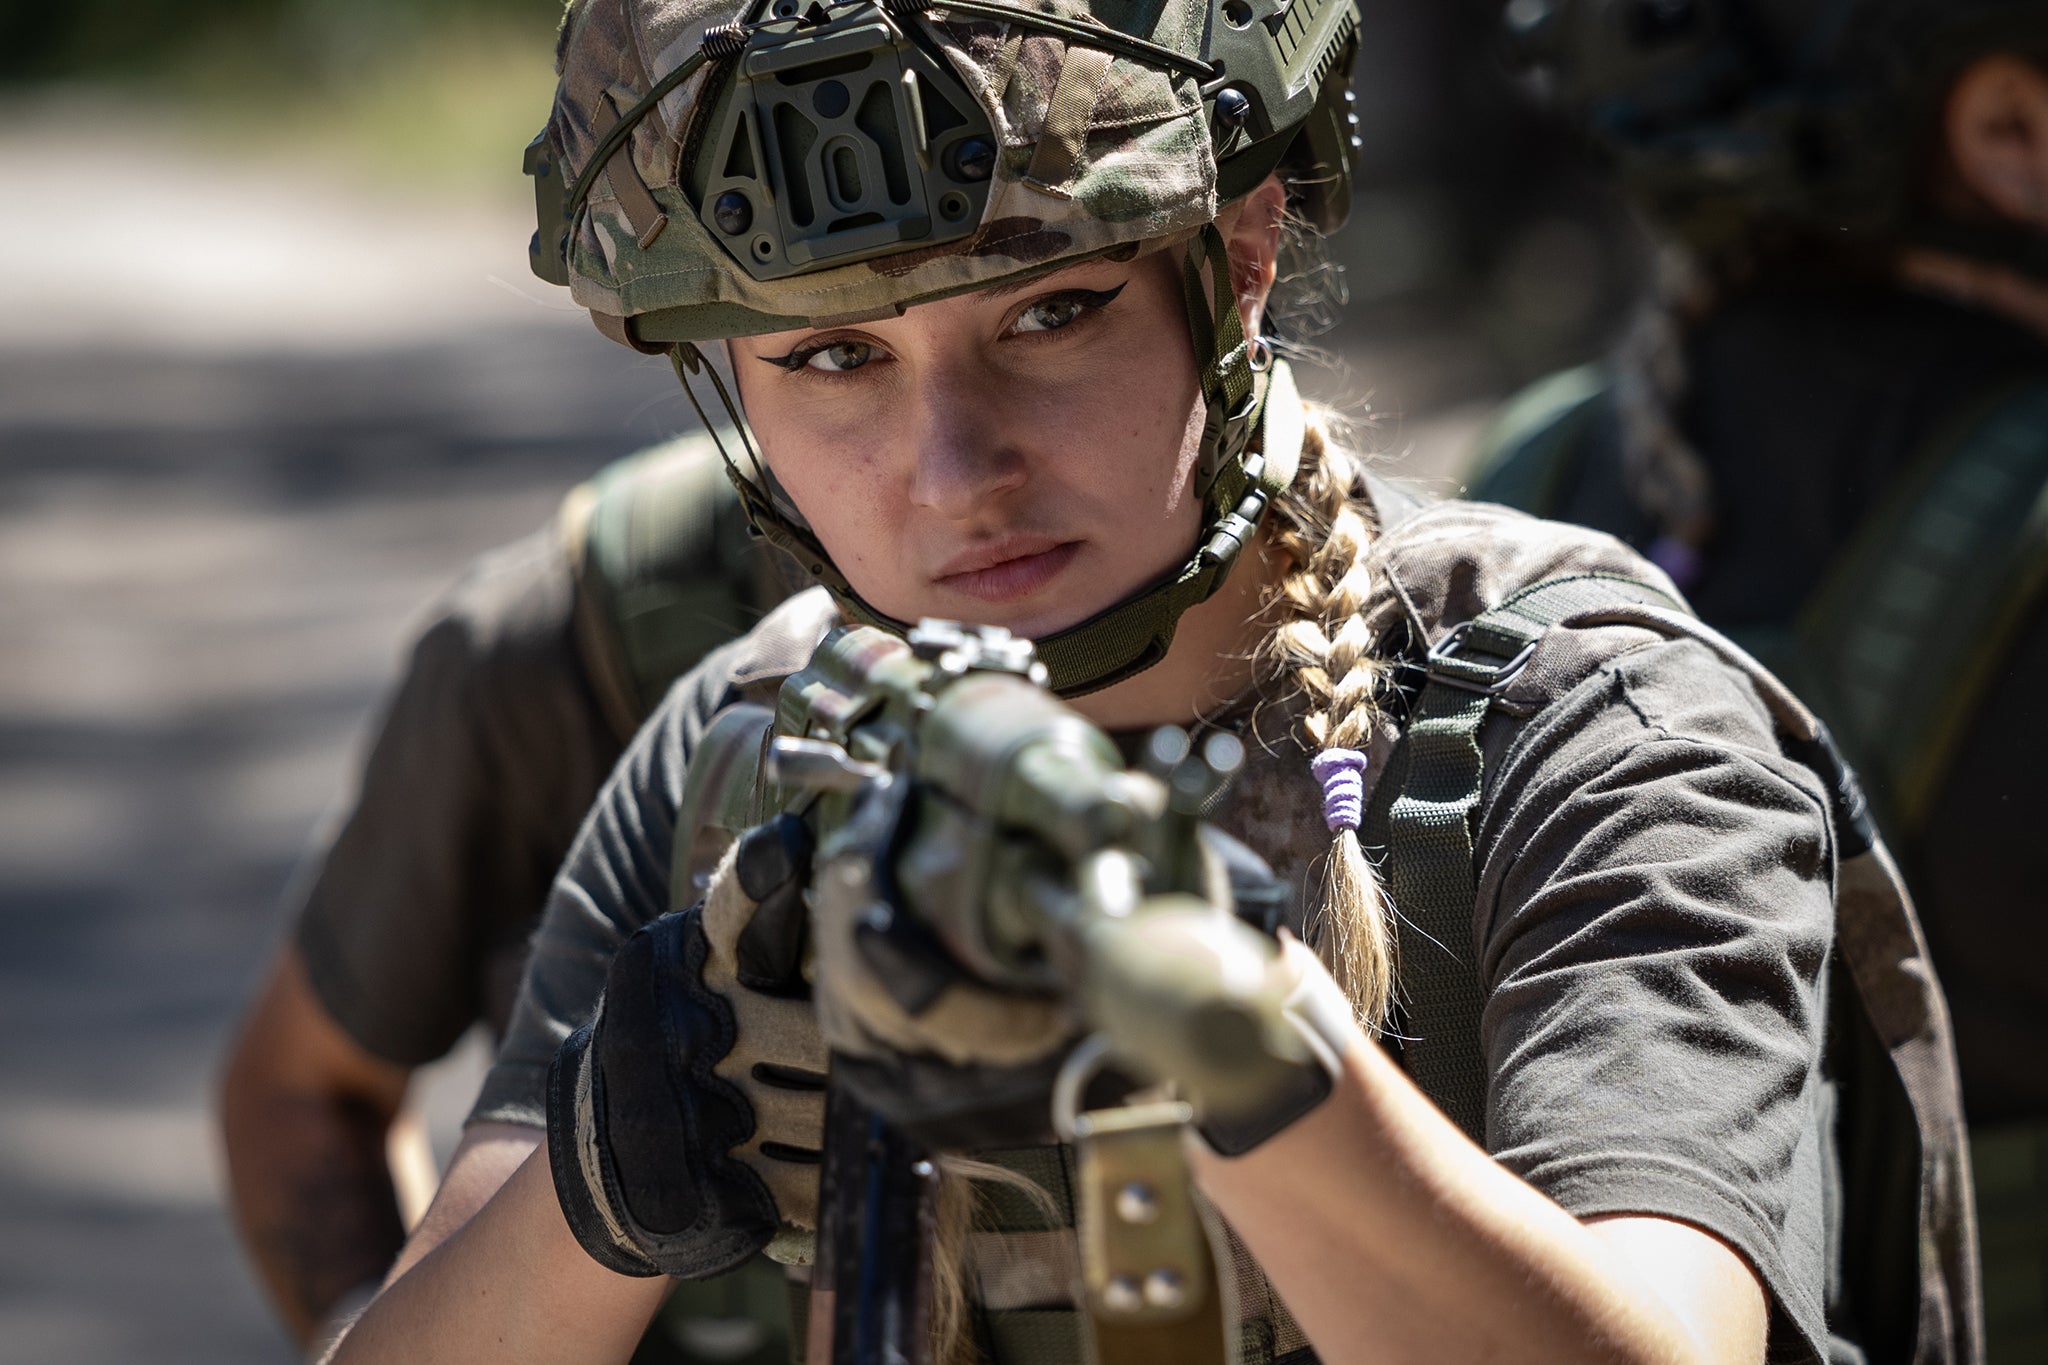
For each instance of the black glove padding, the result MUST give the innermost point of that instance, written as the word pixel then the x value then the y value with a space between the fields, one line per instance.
pixel 640 1130
pixel 684 1122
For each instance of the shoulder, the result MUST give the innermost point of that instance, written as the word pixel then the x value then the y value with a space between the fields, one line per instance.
pixel 752 667
pixel 1613 660
pixel 663 506
pixel 505 622
pixel 1444 563
pixel 666 570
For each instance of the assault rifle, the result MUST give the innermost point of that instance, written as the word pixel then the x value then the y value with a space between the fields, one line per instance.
pixel 1042 864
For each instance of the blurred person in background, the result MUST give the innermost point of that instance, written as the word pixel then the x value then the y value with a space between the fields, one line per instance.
pixel 413 923
pixel 1832 430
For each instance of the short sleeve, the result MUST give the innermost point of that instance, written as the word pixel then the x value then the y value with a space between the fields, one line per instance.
pixel 414 917
pixel 615 879
pixel 1654 919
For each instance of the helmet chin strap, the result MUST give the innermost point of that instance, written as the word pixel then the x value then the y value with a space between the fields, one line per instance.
pixel 1251 447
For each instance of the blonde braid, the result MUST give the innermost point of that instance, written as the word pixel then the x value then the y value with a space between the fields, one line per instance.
pixel 953 1228
pixel 952 1342
pixel 1323 640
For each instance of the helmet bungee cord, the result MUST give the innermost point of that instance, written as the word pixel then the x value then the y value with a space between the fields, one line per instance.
pixel 825 164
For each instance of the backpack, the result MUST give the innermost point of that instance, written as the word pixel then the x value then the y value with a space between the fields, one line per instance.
pixel 667 570
pixel 1910 1275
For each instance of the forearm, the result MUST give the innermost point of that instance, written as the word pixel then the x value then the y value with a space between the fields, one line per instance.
pixel 1393 1238
pixel 313 1195
pixel 509 1285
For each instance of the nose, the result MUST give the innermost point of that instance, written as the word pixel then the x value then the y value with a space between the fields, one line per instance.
pixel 969 451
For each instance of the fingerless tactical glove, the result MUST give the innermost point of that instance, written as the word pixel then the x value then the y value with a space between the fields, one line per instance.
pixel 684 1121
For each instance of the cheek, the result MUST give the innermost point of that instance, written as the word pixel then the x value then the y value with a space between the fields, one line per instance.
pixel 832 471
pixel 1138 435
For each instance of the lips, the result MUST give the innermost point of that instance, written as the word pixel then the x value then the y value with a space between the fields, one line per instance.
pixel 1008 570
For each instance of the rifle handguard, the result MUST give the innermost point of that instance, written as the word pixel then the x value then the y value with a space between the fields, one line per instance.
pixel 1185 991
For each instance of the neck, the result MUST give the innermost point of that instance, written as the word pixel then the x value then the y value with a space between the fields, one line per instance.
pixel 1211 661
pixel 1978 284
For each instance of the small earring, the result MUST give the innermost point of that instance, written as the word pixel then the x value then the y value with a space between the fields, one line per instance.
pixel 1261 357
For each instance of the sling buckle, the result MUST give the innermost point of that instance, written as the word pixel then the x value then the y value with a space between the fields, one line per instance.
pixel 1447 666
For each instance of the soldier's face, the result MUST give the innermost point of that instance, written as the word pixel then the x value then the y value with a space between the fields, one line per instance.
pixel 1021 457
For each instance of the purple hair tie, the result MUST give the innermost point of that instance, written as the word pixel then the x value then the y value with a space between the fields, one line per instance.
pixel 1342 773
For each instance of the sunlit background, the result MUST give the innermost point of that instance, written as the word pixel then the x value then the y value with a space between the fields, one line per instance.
pixel 271 370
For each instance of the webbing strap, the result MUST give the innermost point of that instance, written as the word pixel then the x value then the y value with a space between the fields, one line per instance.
pixel 642 212
pixel 1429 833
pixel 1217 325
pixel 1069 115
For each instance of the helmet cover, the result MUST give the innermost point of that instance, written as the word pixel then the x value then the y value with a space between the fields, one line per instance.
pixel 839 162
pixel 713 173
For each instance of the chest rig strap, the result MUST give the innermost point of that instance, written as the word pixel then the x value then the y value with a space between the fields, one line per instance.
pixel 1429 831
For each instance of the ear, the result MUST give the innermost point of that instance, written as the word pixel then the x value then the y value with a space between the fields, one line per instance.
pixel 1997 129
pixel 1254 237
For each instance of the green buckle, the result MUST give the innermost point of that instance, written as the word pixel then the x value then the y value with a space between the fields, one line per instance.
pixel 1446 666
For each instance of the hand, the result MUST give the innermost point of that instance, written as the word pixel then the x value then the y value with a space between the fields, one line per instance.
pixel 685 1120
pixel 965 1064
pixel 1316 1009
pixel 962 1064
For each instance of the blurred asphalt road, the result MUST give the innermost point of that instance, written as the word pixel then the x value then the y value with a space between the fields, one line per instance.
pixel 248 423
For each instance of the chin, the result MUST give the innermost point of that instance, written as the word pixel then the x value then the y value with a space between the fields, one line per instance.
pixel 1018 620
pixel 1032 620
pixel 1037 620
pixel 1081 590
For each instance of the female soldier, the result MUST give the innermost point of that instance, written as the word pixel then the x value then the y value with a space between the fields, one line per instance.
pixel 983 274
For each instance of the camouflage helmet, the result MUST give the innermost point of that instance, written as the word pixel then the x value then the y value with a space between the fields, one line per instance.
pixel 1723 113
pixel 714 169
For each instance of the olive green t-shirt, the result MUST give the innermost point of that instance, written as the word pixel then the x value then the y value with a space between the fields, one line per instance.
pixel 513 707
pixel 415 922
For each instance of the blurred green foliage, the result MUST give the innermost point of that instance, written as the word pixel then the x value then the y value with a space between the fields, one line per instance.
pixel 439 93
pixel 43 40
